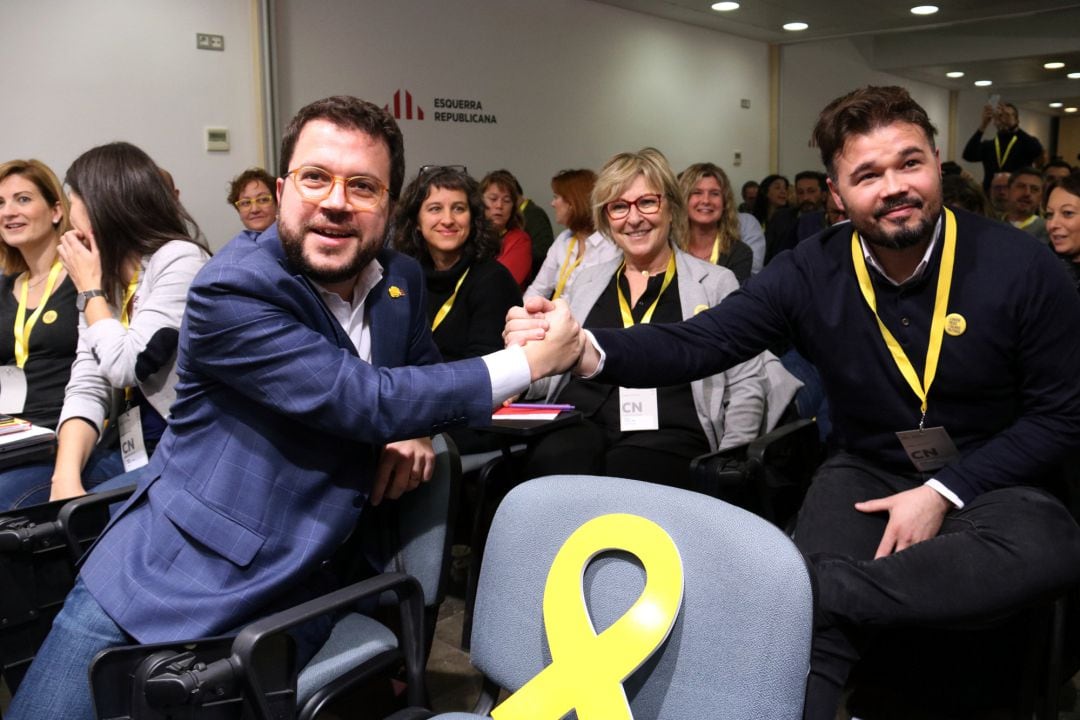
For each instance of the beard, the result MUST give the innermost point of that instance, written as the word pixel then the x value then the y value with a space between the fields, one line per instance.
pixel 902 236
pixel 292 242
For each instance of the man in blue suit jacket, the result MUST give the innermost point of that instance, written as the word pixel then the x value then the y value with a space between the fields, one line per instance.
pixel 297 367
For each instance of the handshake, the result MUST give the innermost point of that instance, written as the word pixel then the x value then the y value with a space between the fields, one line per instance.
pixel 552 339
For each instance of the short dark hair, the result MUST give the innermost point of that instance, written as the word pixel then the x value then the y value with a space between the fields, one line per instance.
pixel 132 211
pixel 1057 162
pixel 965 193
pixel 813 175
pixel 346 111
pixel 482 242
pixel 506 180
pixel 861 111
pixel 745 185
pixel 951 168
pixel 575 187
pixel 1016 174
pixel 241 181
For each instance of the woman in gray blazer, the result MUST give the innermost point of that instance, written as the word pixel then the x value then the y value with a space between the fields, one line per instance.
pixel 652 434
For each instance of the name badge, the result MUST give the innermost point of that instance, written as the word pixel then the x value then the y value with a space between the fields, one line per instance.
pixel 12 389
pixel 132 448
pixel 638 409
pixel 929 449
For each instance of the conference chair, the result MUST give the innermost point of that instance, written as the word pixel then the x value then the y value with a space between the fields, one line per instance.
pixel 768 476
pixel 39 548
pixel 740 643
pixel 255 673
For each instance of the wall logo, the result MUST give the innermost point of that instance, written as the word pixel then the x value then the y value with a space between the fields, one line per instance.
pixel 411 112
pixel 464 111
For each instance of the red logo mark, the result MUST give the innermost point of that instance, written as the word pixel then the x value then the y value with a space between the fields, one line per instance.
pixel 409 107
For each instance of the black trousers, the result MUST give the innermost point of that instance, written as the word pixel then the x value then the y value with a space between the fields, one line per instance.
pixel 1001 551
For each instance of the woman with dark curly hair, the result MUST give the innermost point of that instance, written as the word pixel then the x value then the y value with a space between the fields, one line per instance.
pixel 440 222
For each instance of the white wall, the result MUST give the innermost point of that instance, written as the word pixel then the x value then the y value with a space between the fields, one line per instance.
pixel 79 74
pixel 813 74
pixel 571 82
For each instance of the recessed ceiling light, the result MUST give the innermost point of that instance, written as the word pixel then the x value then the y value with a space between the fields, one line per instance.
pixel 795 26
pixel 924 9
pixel 1070 109
pixel 983 83
pixel 1073 76
pixel 725 6
pixel 954 74
pixel 1056 104
pixel 1054 65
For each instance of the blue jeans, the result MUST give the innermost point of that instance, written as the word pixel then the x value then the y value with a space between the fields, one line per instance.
pixel 31 484
pixel 57 685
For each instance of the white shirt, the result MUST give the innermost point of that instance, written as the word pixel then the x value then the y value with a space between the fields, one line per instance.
pixel 509 369
pixel 598 249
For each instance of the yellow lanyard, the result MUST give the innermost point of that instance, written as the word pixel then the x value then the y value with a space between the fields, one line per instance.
pixel 125 319
pixel 524 202
pixel 129 293
pixel 567 269
pixel 997 150
pixel 715 250
pixel 24 326
pixel 1027 222
pixel 624 307
pixel 449 304
pixel 937 323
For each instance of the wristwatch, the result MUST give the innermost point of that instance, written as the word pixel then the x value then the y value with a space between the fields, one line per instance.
pixel 84 297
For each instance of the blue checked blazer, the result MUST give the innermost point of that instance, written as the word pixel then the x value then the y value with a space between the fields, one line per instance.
pixel 272 442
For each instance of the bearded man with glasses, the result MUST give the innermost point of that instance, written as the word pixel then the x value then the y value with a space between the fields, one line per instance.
pixel 305 353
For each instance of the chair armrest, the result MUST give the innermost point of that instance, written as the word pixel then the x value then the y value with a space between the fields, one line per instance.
pixel 798 432
pixel 410 596
pixel 74 513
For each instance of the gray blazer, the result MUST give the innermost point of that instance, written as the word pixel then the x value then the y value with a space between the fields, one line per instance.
pixel 111 357
pixel 730 405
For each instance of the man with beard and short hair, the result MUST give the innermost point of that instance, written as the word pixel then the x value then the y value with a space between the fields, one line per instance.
pixel 1010 149
pixel 1025 197
pixel 304 354
pixel 810 191
pixel 940 337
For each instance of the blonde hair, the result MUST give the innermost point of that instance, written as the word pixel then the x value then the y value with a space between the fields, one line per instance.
pixel 620 172
pixel 728 227
pixel 51 191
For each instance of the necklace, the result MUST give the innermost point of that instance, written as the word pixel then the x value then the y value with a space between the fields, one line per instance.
pixel 40 280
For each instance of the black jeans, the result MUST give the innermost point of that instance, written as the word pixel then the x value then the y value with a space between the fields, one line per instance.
pixel 1004 549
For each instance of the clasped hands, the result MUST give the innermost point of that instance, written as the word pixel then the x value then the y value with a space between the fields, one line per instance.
pixel 552 339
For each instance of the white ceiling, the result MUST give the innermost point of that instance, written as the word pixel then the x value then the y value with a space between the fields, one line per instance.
pixel 1006 41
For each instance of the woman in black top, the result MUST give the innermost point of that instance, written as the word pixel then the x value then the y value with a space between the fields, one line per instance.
pixel 441 223
pixel 39 326
pixel 714 222
pixel 1063 223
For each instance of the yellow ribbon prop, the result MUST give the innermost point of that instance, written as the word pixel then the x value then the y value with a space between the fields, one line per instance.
pixel 24 326
pixel 449 304
pixel 129 293
pixel 624 306
pixel 587 670
pixel 937 322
